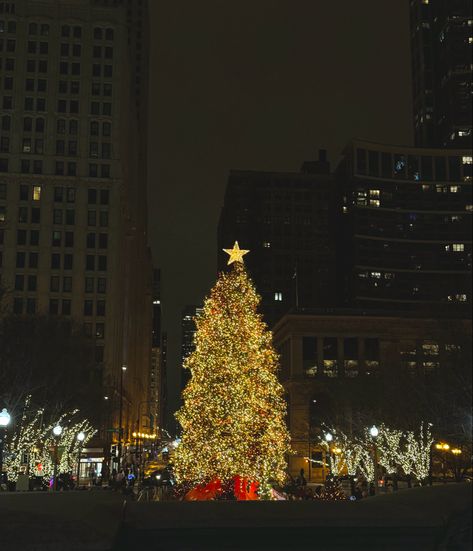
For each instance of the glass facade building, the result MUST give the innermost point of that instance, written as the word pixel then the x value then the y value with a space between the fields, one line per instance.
pixel 407 227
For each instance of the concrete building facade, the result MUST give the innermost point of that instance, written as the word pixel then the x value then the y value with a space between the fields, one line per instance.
pixel 73 181
pixel 340 368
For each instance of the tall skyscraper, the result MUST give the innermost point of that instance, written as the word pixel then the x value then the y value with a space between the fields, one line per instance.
pixel 157 381
pixel 188 329
pixel 73 223
pixel 441 49
pixel 285 219
pixel 407 215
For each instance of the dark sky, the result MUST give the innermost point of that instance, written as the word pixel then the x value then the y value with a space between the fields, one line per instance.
pixel 258 84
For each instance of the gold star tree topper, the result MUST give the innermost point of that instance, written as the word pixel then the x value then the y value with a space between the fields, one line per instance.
pixel 236 254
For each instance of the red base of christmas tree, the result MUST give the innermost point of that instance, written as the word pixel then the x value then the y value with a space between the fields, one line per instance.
pixel 243 490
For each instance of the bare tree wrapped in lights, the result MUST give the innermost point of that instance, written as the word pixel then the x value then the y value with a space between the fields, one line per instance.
pixel 415 459
pixel 34 441
pixel 390 447
pixel 396 450
pixel 233 417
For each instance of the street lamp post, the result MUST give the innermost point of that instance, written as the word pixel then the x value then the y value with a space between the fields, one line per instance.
pixel 374 432
pixel 120 422
pixel 5 419
pixel 57 431
pixel 139 446
pixel 80 439
pixel 329 439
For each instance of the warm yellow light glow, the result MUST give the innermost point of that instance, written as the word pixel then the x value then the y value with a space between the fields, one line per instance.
pixel 456 451
pixel 236 254
pixel 445 447
pixel 233 417
pixel 439 446
pixel 36 193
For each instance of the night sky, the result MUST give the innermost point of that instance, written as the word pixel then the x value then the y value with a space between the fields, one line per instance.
pixel 257 84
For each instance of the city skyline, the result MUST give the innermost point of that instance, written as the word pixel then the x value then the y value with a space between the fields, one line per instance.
pixel 215 109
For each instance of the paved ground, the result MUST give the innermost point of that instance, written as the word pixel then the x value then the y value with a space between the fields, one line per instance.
pixel 436 518
pixel 418 519
pixel 64 521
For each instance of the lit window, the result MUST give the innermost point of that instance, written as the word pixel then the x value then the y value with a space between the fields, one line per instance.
pixel 453 189
pixel 36 193
pixel 430 349
pixel 467 131
pixel 376 275
pixel 457 298
pixel 470 41
pixel 278 297
pixel 374 192
pixel 467 160
pixel 374 203
pixel 458 247
pixel 267 245
pixel 469 208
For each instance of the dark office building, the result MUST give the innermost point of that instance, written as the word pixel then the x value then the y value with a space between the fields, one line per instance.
pixel 286 220
pixel 156 380
pixel 188 328
pixel 441 43
pixel 407 217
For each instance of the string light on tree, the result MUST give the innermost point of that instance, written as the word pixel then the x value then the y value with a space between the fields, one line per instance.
pixel 233 417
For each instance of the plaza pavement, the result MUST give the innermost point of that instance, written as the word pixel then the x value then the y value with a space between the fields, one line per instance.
pixel 419 519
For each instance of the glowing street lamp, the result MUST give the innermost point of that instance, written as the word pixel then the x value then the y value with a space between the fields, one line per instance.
pixel 80 439
pixel 374 433
pixel 57 431
pixel 5 419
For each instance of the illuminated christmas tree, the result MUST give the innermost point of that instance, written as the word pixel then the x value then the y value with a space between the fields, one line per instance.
pixel 233 417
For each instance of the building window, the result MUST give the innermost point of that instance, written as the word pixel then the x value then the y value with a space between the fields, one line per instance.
pixel 89 284
pixel 36 193
pixel 100 330
pixel 67 284
pixel 56 239
pixel 55 261
pixel 278 296
pixel 19 282
pixel 33 260
pixel 54 307
pixel 30 306
pixel 88 308
pixel 32 283
pixel 68 261
pixel 458 247
pixel 101 308
pixel 101 285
